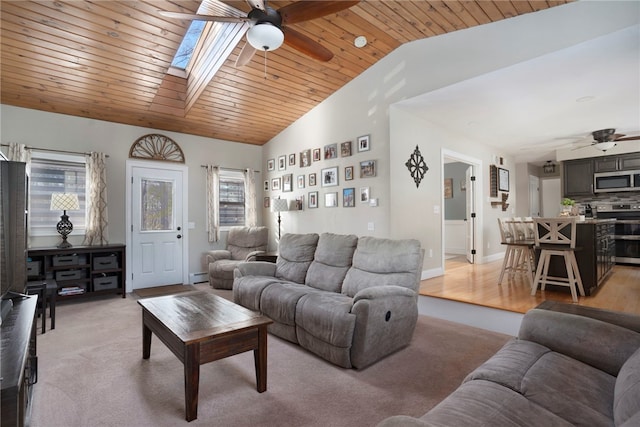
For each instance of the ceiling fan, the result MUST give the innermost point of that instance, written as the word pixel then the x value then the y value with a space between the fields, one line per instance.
pixel 606 139
pixel 270 28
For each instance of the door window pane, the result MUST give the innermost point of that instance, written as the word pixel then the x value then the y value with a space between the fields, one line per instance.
pixel 156 205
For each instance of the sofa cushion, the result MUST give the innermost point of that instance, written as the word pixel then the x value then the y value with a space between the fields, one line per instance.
pixel 380 262
pixel 278 301
pixel 327 316
pixel 241 241
pixel 247 290
pixel 626 400
pixel 331 261
pixel 480 403
pixel 575 391
pixel 295 254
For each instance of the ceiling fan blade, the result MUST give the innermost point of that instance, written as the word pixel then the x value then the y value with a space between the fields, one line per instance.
pixel 628 138
pixel 306 10
pixel 256 4
pixel 245 55
pixel 306 45
pixel 196 17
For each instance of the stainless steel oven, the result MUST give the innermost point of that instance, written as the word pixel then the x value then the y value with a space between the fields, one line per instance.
pixel 627 230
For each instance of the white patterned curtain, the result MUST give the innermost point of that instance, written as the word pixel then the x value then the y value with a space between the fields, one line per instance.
pixel 251 213
pixel 19 153
pixel 213 196
pixel 97 220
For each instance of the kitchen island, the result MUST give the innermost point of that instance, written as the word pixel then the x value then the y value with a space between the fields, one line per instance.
pixel 595 254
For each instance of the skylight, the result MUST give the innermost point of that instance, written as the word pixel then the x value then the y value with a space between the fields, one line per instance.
pixel 187 47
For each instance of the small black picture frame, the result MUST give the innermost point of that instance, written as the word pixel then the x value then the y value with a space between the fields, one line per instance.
pixel 503 179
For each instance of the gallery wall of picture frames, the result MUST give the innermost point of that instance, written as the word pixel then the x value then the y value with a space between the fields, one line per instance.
pixel 287 173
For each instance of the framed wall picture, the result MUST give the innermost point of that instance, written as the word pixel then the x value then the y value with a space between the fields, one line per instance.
pixel 364 194
pixel 305 158
pixel 266 203
pixel 348 173
pixel 348 197
pixel 292 159
pixel 316 155
pixel 287 182
pixel 331 200
pixel 276 184
pixel 282 163
pixel 364 143
pixel 503 179
pixel 329 177
pixel 448 188
pixel 330 151
pixel 312 179
pixel 367 169
pixel 345 149
pixel 271 164
pixel 300 181
pixel 312 201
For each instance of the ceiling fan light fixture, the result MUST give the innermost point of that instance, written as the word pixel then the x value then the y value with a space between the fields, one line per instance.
pixel 265 36
pixel 604 146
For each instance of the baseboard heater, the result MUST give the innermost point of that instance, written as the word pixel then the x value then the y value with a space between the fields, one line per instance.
pixel 198 277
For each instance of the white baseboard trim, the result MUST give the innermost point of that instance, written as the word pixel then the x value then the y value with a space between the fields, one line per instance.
pixel 494 257
pixel 199 277
pixel 429 274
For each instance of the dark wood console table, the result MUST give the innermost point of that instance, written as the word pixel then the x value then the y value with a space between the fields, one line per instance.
pixel 19 361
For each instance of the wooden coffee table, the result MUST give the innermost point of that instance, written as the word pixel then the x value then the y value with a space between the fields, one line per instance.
pixel 200 327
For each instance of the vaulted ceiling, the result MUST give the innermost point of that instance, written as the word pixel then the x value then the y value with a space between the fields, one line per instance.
pixel 108 60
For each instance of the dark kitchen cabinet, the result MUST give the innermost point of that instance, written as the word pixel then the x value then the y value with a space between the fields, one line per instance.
pixel 620 162
pixel 577 177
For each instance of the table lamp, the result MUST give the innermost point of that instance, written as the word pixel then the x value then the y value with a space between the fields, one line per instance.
pixel 64 202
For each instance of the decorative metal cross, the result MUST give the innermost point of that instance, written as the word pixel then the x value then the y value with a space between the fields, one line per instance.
pixel 417 167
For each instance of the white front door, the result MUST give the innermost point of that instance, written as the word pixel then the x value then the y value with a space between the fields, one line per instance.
pixel 157 229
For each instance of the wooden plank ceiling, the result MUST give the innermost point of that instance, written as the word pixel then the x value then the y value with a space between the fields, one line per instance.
pixel 108 60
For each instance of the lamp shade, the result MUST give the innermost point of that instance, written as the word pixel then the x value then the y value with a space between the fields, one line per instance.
pixel 64 202
pixel 279 205
pixel 265 36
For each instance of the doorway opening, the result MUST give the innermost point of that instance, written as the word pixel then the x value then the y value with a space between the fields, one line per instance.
pixel 460 218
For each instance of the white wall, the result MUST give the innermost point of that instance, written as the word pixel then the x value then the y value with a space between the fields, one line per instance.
pixel 56 131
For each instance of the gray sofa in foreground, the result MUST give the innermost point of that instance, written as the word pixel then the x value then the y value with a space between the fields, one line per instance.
pixel 349 300
pixel 569 366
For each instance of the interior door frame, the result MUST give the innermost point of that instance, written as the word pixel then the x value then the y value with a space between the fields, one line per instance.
pixel 149 164
pixel 478 194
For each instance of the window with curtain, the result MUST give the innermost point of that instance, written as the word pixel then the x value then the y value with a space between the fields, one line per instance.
pixel 55 173
pixel 232 199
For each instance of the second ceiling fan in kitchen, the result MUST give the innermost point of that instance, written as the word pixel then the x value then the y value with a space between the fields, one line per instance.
pixel 269 28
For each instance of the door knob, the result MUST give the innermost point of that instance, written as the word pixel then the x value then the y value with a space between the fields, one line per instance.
pixel 179 228
pixel 179 236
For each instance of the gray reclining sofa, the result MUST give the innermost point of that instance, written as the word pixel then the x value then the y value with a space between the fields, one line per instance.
pixel 570 366
pixel 349 300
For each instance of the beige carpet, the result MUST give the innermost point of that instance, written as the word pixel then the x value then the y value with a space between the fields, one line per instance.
pixel 91 373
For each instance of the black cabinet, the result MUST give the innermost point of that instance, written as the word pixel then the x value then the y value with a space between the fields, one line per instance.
pixel 19 361
pixel 577 177
pixel 81 270
pixel 620 162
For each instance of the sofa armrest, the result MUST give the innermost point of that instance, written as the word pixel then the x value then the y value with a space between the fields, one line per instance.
pixel 626 320
pixel 386 317
pixel 600 344
pixel 255 268
pixel 251 256
pixel 218 254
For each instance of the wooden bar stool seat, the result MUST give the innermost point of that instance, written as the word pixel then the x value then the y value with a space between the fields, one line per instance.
pixel 557 237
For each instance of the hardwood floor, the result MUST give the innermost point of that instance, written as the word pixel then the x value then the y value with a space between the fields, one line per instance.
pixel 478 284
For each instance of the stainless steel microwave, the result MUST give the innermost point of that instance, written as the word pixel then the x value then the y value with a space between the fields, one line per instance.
pixel 607 182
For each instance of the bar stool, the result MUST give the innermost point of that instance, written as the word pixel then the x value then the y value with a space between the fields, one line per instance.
pixel 557 237
pixel 519 254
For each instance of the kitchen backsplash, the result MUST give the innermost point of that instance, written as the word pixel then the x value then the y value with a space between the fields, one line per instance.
pixel 602 199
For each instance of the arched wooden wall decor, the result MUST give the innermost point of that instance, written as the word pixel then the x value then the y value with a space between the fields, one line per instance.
pixel 156 147
pixel 417 166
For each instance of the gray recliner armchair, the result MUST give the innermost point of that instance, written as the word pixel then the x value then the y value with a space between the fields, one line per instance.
pixel 243 244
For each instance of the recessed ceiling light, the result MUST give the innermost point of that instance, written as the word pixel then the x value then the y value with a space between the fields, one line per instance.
pixel 586 98
pixel 360 41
